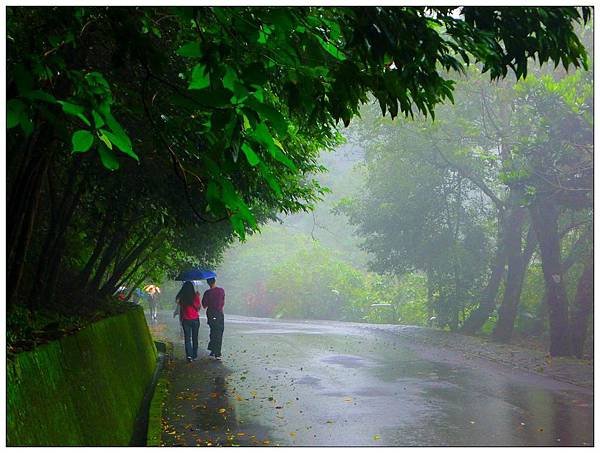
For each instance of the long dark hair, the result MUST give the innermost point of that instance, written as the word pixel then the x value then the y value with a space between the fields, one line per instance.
pixel 186 294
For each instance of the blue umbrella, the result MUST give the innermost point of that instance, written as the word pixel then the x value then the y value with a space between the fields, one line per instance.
pixel 195 274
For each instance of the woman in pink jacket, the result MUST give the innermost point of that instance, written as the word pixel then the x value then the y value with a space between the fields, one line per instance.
pixel 188 301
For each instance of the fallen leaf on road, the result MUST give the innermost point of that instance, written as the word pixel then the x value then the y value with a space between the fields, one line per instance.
pixel 293 434
pixel 376 437
pixel 222 411
pixel 348 399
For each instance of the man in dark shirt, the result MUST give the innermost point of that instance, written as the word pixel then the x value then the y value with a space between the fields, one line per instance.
pixel 214 300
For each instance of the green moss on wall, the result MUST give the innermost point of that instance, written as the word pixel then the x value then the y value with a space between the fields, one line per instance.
pixel 154 435
pixel 84 389
pixel 156 410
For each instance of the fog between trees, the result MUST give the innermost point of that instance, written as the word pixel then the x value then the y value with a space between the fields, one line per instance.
pixel 479 221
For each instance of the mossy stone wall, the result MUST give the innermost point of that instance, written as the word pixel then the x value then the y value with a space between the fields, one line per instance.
pixel 84 389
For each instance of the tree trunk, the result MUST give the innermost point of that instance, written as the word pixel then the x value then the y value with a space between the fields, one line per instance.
pixel 582 306
pixel 567 263
pixel 544 215
pixel 86 273
pixel 109 285
pixel 57 252
pixel 517 266
pixel 107 258
pixel 430 310
pixel 21 215
pixel 481 314
pixel 52 250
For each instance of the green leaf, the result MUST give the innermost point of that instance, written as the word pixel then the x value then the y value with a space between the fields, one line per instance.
pixel 98 121
pixel 82 141
pixel 262 37
pixel 213 192
pixel 118 136
pixel 108 158
pixel 191 50
pixel 105 139
pixel 247 214
pixel 273 115
pixel 331 49
pixel 252 157
pixel 238 226
pixel 200 79
pixel 262 135
pixel 277 152
pixel 39 95
pixel 75 110
pixel 26 123
pixel 122 142
pixel 273 184
pixel 246 122
pixel 230 196
pixel 229 79
pixel 14 109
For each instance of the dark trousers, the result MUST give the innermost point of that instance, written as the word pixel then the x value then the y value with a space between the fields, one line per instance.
pixel 190 331
pixel 216 322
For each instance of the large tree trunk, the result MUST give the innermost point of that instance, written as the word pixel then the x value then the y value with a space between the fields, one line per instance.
pixel 567 263
pixel 582 306
pixel 481 314
pixel 21 215
pixel 517 266
pixel 50 259
pixel 544 215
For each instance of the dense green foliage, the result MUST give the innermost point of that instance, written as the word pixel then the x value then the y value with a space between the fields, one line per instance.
pixel 142 139
pixel 288 274
pixel 457 200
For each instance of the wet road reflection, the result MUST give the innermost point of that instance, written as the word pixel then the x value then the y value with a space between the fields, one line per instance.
pixel 287 383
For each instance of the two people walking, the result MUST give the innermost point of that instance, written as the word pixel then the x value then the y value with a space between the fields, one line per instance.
pixel 188 304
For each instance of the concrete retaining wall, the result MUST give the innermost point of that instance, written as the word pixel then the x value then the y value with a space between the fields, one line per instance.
pixel 84 389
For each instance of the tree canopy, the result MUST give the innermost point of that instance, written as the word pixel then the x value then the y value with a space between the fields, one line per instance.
pixel 498 184
pixel 143 138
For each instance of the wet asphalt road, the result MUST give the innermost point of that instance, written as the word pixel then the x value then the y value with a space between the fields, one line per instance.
pixel 334 384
